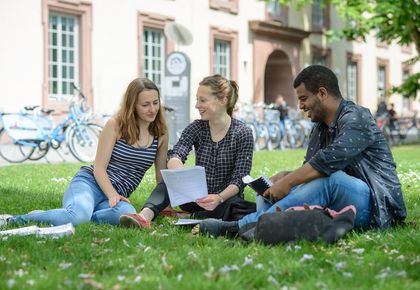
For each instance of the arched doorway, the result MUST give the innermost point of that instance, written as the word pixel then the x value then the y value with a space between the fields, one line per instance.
pixel 278 79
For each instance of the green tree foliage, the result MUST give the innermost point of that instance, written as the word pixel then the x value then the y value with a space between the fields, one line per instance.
pixel 391 21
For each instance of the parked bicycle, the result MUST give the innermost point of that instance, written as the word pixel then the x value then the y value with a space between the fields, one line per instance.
pixel 30 136
pixel 293 131
pixel 396 131
pixel 271 121
pixel 260 132
pixel 300 129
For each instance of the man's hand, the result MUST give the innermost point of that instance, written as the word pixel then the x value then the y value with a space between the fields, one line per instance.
pixel 209 202
pixel 278 176
pixel 113 200
pixel 284 181
pixel 278 190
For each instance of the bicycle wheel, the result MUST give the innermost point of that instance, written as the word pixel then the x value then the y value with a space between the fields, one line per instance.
pixel 98 128
pixel 299 135
pixel 289 139
pixel 83 142
pixel 274 136
pixel 39 152
pixel 14 151
pixel 263 137
pixel 254 135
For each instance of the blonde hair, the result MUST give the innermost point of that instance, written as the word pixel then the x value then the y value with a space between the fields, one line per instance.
pixel 128 118
pixel 221 88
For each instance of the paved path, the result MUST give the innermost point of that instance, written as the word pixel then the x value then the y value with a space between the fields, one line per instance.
pixel 63 155
pixel 53 156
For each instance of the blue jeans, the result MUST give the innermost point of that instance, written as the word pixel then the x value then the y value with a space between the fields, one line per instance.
pixel 335 192
pixel 282 129
pixel 83 201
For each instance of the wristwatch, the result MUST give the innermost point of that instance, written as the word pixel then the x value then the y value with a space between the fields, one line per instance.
pixel 221 198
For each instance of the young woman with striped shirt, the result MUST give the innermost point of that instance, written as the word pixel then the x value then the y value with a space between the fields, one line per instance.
pixel 131 141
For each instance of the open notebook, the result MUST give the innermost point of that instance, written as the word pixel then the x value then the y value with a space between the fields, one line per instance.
pixel 259 184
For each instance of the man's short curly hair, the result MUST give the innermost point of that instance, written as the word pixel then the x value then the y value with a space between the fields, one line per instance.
pixel 316 76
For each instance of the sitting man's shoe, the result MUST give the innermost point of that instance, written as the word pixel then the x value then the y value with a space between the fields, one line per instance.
pixel 134 220
pixel 247 232
pixel 215 227
pixel 4 218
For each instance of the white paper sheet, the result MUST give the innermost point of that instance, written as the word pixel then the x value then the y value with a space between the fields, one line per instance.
pixel 29 230
pixel 184 222
pixel 55 231
pixel 185 184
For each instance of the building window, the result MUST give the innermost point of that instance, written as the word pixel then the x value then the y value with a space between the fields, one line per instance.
pixel 277 11
pixel 274 7
pixel 320 16
pixel 405 74
pixel 381 82
pixel 352 81
pixel 154 55
pixel 221 58
pixel 67 49
pixel 317 14
pixel 318 59
pixel 229 6
pixel 353 75
pixel 321 56
pixel 223 52
pixel 63 55
pixel 153 47
pixel 405 99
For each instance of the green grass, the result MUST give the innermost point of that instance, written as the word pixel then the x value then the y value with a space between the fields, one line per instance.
pixel 168 257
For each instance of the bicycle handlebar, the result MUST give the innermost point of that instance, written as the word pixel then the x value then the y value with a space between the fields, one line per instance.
pixel 79 91
pixel 30 108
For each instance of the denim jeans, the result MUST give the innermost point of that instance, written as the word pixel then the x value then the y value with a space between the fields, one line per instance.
pixel 282 129
pixel 335 192
pixel 83 201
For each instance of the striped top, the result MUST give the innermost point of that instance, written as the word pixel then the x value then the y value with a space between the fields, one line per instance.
pixel 128 165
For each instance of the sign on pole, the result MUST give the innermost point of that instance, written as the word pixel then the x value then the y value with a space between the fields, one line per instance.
pixel 177 92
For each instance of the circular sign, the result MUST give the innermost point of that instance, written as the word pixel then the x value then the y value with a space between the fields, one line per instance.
pixel 176 63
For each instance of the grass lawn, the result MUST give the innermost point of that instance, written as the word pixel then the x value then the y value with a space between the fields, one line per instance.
pixel 168 257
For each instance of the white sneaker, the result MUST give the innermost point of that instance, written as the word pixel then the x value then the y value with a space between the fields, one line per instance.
pixel 36 211
pixel 3 219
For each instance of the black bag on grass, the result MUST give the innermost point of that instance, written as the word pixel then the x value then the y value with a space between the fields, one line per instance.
pixel 233 209
pixel 304 223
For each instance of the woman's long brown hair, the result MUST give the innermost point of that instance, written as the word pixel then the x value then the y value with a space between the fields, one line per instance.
pixel 127 118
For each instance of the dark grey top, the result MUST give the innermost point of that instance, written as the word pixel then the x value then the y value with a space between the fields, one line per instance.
pixel 226 161
pixel 353 143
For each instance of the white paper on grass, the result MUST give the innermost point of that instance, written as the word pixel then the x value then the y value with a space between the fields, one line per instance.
pixel 55 231
pixel 182 222
pixel 185 184
pixel 25 231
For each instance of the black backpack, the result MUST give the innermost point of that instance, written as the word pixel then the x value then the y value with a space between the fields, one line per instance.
pixel 302 223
